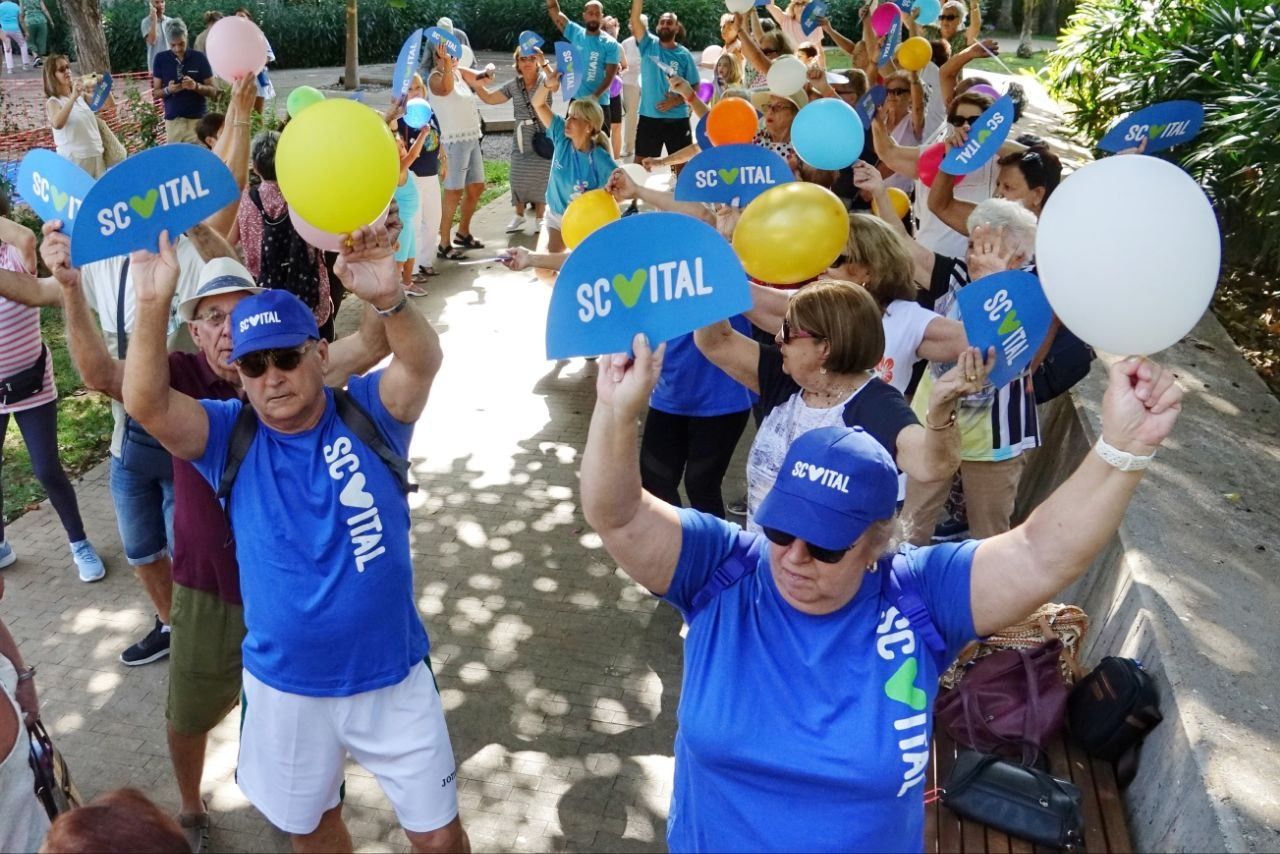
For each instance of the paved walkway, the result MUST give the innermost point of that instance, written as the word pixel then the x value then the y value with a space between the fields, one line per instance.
pixel 559 676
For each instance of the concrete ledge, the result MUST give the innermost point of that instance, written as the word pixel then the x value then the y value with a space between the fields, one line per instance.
pixel 1191 587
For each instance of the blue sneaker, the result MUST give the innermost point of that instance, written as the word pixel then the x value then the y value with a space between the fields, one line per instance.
pixel 87 561
pixel 7 554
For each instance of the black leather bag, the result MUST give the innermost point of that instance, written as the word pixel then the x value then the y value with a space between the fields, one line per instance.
pixel 26 383
pixel 54 789
pixel 1022 802
pixel 1111 710
pixel 1067 362
pixel 542 145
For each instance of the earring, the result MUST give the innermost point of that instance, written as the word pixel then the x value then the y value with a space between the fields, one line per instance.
pixel 822 371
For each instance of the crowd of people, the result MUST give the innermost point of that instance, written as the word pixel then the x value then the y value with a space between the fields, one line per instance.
pixel 882 458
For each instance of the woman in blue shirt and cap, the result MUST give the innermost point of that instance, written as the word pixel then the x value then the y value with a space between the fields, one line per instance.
pixel 805 711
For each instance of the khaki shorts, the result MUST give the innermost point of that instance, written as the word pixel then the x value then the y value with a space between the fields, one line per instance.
pixel 204 660
pixel 181 130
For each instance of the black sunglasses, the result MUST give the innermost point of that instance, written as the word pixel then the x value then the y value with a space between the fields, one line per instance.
pixel 951 16
pixel 789 332
pixel 896 92
pixel 962 121
pixel 254 365
pixel 821 555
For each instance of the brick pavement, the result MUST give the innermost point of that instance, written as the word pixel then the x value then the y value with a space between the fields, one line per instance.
pixel 559 676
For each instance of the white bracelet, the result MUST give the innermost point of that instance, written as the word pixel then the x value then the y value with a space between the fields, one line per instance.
pixel 1122 460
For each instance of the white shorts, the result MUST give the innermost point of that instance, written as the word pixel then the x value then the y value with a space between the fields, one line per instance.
pixel 553 219
pixel 293 748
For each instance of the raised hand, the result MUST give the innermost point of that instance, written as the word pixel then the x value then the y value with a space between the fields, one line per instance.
pixel 620 185
pixel 55 251
pixel 366 264
pixel 867 177
pixel 155 276
pixel 991 251
pixel 625 384
pixel 1140 406
pixel 552 83
pixel 968 376
pixel 243 93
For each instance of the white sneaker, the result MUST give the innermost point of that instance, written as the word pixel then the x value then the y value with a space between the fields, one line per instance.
pixel 541 220
pixel 517 223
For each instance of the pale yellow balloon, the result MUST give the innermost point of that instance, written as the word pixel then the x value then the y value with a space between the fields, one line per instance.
pixel 914 53
pixel 592 210
pixel 791 233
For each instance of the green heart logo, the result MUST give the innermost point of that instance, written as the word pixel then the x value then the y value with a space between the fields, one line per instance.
pixel 982 135
pixel 146 205
pixel 1154 131
pixel 1010 323
pixel 628 290
pixel 59 199
pixel 902 686
pixel 729 176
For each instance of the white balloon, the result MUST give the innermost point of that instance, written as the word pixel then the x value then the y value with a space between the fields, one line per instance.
pixel 710 56
pixel 737 6
pixel 1128 252
pixel 787 75
pixel 636 173
pixel 468 57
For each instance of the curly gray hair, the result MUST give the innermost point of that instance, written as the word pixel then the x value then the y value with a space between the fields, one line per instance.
pixel 1018 222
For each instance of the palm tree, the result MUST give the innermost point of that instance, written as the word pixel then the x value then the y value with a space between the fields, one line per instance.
pixel 1030 10
pixel 351 79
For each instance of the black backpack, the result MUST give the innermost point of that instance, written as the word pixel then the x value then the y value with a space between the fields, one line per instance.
pixel 1111 710
pixel 289 263
pixel 352 414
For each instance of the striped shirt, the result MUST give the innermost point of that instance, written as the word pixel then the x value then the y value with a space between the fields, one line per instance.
pixel 20 342
pixel 996 423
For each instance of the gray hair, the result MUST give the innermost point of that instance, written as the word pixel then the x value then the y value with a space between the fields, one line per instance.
pixel 175 29
pixel 1018 222
pixel 262 153
pixel 958 6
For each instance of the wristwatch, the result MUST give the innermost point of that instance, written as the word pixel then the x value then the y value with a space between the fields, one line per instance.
pixel 1123 460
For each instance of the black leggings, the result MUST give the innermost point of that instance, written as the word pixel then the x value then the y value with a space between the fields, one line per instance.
pixel 696 449
pixel 39 428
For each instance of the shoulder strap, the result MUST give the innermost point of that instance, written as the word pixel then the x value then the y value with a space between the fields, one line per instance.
pixel 242 433
pixel 359 422
pixel 727 575
pixel 122 340
pixel 903 591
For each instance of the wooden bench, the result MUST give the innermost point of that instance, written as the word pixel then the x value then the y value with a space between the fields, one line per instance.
pixel 1105 828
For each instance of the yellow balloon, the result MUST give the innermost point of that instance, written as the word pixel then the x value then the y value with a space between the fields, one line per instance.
pixel 338 165
pixel 591 210
pixel 901 202
pixel 914 53
pixel 791 233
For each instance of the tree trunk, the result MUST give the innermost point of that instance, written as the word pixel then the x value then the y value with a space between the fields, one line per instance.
pixel 1004 20
pixel 1049 17
pixel 91 41
pixel 351 79
pixel 1029 10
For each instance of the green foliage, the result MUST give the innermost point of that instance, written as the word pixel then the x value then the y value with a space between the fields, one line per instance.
pixel 143 131
pixel 1120 55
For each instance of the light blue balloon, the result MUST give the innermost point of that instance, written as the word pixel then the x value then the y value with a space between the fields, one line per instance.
pixel 417 113
pixel 827 134
pixel 929 11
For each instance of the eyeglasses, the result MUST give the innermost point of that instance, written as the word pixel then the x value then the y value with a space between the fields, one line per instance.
pixel 254 365
pixel 789 332
pixel 962 121
pixel 897 93
pixel 840 261
pixel 213 318
pixel 950 16
pixel 818 553
pixel 769 51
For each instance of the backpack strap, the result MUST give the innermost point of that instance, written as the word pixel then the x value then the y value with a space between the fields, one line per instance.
pixel 728 574
pixel 359 422
pixel 242 433
pixel 901 588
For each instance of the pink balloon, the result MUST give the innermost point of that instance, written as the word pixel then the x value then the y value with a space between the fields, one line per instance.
pixel 322 239
pixel 236 48
pixel 930 159
pixel 884 18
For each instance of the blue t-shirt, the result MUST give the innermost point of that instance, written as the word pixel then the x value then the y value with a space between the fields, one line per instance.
pixel 690 385
pixel 801 732
pixel 573 172
pixel 322 538
pixel 597 51
pixel 657 63
pixel 9 12
pixel 186 104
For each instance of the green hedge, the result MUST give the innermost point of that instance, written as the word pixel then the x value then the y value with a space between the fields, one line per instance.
pixel 311 33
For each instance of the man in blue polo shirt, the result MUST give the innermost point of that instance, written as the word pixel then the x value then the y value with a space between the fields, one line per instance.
pixel 664 115
pixel 600 52
pixel 334 652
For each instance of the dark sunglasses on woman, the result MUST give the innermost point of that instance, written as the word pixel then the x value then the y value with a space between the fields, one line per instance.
pixel 821 555
pixel 962 121
pixel 254 365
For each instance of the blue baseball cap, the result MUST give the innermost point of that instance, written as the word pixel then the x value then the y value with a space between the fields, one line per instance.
pixel 271 320
pixel 834 482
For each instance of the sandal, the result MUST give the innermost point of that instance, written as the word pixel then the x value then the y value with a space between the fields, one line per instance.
pixel 196 829
pixel 428 271
pixel 466 241
pixel 449 253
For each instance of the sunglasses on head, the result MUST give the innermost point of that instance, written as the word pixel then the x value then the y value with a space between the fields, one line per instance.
pixel 950 16
pixel 821 555
pixel 254 365
pixel 790 332
pixel 962 121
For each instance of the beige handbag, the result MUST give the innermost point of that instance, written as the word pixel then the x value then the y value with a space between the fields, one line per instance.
pixel 1067 623
pixel 113 151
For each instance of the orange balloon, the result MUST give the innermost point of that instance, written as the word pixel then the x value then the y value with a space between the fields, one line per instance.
pixel 733 120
